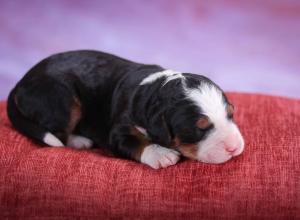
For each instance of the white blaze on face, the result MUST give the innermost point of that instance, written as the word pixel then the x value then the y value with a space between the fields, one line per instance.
pixel 225 140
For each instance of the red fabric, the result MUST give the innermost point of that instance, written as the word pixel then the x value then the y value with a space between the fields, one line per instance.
pixel 262 183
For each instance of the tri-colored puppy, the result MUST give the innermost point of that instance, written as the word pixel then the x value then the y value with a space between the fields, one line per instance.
pixel 142 112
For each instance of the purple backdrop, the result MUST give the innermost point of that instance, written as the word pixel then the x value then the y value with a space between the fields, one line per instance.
pixel 249 46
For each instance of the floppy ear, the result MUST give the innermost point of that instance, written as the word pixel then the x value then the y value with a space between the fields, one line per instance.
pixel 158 130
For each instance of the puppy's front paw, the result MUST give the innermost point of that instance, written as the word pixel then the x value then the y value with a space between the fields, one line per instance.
pixel 159 157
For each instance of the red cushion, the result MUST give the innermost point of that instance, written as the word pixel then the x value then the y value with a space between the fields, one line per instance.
pixel 264 182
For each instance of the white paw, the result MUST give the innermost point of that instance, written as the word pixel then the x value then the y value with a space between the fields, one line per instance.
pixel 51 140
pixel 159 157
pixel 79 142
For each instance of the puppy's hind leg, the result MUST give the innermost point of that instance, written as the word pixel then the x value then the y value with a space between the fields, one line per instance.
pixel 79 142
pixel 45 111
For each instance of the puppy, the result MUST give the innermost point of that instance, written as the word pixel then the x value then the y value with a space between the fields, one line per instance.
pixel 141 112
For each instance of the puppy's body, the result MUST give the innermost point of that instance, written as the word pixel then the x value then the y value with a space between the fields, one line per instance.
pixel 92 79
pixel 85 98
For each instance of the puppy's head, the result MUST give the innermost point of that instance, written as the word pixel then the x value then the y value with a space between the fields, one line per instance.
pixel 195 117
pixel 203 126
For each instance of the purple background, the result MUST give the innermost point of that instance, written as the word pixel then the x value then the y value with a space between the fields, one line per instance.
pixel 251 46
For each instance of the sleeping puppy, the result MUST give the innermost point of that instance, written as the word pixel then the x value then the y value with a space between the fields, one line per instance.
pixel 141 112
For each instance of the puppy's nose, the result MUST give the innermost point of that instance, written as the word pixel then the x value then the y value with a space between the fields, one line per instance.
pixel 231 143
pixel 231 149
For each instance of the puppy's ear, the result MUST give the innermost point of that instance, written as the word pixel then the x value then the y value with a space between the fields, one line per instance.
pixel 158 130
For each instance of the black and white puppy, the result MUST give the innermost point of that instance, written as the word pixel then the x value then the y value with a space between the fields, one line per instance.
pixel 142 112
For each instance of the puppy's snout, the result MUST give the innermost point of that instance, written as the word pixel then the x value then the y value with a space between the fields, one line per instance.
pixel 233 144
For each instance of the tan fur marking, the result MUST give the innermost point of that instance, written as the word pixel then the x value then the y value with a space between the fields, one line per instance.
pixel 230 110
pixel 203 122
pixel 75 115
pixel 187 150
pixel 143 142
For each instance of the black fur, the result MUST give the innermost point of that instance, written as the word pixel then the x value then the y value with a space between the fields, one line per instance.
pixel 111 98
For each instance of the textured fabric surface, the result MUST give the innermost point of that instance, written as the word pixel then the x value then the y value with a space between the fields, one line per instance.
pixel 61 183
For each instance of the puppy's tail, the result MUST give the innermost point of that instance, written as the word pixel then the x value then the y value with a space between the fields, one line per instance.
pixel 28 127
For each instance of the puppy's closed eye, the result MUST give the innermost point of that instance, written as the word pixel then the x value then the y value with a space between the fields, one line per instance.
pixel 203 123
